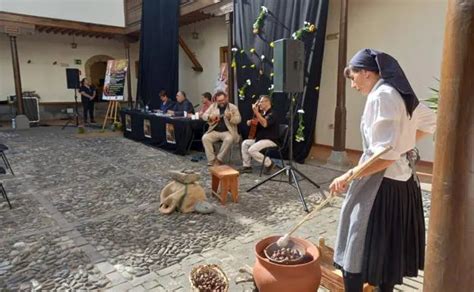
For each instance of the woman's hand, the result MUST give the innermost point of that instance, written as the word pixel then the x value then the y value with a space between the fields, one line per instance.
pixel 339 184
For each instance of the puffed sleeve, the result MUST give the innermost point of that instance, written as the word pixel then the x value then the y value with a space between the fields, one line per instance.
pixel 425 118
pixel 386 126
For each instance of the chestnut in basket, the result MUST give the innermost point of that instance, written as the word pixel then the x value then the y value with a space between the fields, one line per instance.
pixel 209 281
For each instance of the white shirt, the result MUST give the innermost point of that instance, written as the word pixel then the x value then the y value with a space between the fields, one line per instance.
pixel 385 122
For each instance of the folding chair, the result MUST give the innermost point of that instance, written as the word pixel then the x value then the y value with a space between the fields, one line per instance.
pixel 4 147
pixel 281 144
pixel 2 189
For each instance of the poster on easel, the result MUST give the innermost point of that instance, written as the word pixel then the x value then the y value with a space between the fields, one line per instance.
pixel 170 137
pixel 146 128
pixel 114 82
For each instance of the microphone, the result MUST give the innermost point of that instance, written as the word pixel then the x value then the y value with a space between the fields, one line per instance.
pixel 196 105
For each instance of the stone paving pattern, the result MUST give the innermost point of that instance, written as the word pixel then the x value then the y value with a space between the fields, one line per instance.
pixel 86 217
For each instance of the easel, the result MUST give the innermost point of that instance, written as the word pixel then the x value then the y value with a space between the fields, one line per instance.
pixel 112 112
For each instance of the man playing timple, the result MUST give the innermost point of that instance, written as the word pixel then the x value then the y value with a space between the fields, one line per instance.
pixel 223 118
pixel 266 136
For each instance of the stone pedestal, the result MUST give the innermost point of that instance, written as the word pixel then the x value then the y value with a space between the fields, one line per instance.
pixel 22 122
pixel 338 160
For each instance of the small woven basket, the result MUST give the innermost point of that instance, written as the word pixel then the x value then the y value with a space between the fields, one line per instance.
pixel 196 271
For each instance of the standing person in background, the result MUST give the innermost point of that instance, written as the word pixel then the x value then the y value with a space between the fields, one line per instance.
pixel 88 93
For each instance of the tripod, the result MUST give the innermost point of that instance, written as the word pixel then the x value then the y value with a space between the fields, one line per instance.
pixel 290 170
pixel 76 113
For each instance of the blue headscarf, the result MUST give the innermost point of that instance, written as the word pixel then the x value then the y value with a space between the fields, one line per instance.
pixel 390 71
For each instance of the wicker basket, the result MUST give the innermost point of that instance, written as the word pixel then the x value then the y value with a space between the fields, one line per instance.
pixel 205 268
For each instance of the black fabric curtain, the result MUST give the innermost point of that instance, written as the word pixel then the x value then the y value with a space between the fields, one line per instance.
pixel 282 20
pixel 158 51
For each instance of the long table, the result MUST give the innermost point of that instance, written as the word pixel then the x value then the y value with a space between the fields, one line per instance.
pixel 185 130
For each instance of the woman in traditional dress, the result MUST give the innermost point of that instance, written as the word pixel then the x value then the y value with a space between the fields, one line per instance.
pixel 381 232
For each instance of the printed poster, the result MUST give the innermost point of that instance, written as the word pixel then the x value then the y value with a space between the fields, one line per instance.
pixel 170 138
pixel 147 128
pixel 114 82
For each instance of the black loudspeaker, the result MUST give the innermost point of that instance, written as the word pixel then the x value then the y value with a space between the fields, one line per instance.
pixel 72 77
pixel 288 66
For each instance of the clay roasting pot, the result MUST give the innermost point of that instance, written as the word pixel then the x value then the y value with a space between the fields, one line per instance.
pixel 274 277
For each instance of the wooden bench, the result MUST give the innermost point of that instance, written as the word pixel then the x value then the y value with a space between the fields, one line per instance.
pixel 331 278
pixel 228 178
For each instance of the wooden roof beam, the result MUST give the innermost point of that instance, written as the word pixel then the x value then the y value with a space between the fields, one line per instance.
pixel 59 23
pixel 197 66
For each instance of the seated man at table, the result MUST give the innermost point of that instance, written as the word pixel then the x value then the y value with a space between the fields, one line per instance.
pixel 183 107
pixel 223 118
pixel 206 98
pixel 266 135
pixel 166 102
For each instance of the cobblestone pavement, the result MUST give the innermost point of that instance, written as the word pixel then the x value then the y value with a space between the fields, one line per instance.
pixel 85 217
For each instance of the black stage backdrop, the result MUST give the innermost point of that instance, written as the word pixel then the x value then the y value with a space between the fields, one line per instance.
pixel 282 20
pixel 158 51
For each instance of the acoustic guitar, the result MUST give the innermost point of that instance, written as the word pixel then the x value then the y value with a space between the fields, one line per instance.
pixel 254 122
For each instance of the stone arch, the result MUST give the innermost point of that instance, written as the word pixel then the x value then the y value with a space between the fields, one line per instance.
pixel 95 71
pixel 92 60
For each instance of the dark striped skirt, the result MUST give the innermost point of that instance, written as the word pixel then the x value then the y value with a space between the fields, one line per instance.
pixel 395 239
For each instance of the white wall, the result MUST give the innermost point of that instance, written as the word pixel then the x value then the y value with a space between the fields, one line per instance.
pixel 212 36
pixel 109 12
pixel 49 80
pixel 410 30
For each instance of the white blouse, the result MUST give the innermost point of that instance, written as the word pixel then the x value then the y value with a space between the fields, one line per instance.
pixel 385 122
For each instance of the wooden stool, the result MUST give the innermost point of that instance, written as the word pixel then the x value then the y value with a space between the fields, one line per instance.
pixel 229 181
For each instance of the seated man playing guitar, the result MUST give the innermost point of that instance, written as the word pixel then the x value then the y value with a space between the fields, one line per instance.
pixel 266 135
pixel 223 118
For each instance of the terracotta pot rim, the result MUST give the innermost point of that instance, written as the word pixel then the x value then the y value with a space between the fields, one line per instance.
pixel 315 256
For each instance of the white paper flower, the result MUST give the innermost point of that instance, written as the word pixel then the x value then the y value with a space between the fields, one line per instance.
pixel 264 9
pixel 248 82
pixel 262 57
pixel 235 50
pixel 306 23
pixel 271 87
pixel 301 111
pixel 293 35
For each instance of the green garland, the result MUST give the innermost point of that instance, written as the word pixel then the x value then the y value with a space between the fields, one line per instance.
pixel 257 26
pixel 306 29
pixel 299 137
pixel 233 64
pixel 243 90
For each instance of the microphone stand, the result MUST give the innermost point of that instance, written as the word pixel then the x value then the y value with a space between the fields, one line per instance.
pixel 289 169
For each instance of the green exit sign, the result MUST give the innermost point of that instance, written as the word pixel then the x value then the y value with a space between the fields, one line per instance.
pixel 77 61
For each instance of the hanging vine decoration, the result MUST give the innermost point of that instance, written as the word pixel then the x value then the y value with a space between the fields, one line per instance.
pixel 243 89
pixel 305 30
pixel 233 64
pixel 270 90
pixel 257 25
pixel 262 60
pixel 299 136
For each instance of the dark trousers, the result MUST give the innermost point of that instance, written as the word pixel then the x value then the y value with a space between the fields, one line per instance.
pixel 88 107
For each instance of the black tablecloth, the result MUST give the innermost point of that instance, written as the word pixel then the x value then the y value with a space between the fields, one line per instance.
pixel 185 130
